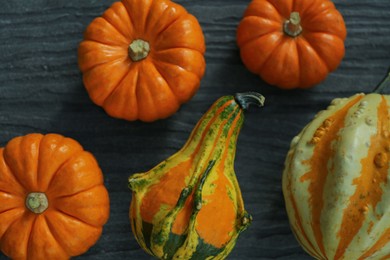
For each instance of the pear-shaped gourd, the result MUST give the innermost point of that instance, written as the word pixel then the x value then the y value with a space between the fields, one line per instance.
pixel 190 205
pixel 336 180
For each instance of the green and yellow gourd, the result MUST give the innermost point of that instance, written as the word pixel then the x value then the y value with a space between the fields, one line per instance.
pixel 336 181
pixel 190 205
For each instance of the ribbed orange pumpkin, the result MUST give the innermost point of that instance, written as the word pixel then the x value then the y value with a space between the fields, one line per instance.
pixel 336 181
pixel 291 43
pixel 142 59
pixel 53 203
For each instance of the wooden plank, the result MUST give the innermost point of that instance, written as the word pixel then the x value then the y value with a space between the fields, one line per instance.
pixel 41 91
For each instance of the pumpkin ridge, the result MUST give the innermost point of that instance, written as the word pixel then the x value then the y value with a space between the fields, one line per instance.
pixel 75 218
pixel 166 26
pixel 132 92
pixel 73 194
pixel 87 75
pixel 354 215
pixel 298 217
pixel 118 59
pixel 317 176
pixel 157 59
pixel 113 26
pixel 38 143
pixel 165 80
pixel 122 59
pixel 28 224
pixel 279 11
pixel 52 221
pixel 114 10
pixel 61 166
pixel 130 17
pixel 119 82
pixel 148 89
pixel 30 237
pixel 62 142
pixel 54 234
pixel 107 23
pixel 280 18
pixel 145 6
pixel 316 49
pixel 303 9
pixel 323 32
pixel 12 176
pixel 304 41
pixel 329 10
pixel 21 213
pixel 178 46
pixel 380 243
pixel 171 86
pixel 255 36
pixel 270 54
pixel 299 54
pixel 5 211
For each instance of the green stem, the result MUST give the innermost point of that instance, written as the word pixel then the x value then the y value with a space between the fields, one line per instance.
pixel 384 84
pixel 37 202
pixel 139 50
pixel 292 27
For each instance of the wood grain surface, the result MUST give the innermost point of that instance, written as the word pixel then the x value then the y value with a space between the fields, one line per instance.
pixel 41 90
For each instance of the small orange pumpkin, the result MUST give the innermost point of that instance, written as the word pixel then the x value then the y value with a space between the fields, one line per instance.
pixel 291 43
pixel 142 59
pixel 53 203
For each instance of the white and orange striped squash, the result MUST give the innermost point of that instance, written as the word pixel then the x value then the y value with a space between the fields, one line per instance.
pixel 336 181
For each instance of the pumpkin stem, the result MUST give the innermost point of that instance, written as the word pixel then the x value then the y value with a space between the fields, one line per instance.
pixel 37 202
pixel 384 84
pixel 138 50
pixel 292 27
pixel 248 98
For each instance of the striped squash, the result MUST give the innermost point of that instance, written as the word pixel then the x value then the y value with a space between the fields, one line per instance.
pixel 190 205
pixel 336 180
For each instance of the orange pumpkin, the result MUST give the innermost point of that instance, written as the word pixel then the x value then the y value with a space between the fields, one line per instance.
pixel 53 203
pixel 142 59
pixel 291 43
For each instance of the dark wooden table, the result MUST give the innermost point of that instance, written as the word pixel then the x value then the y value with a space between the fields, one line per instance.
pixel 41 91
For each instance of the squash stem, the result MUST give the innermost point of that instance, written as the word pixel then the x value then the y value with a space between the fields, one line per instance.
pixel 37 202
pixel 292 27
pixel 248 98
pixel 384 84
pixel 139 50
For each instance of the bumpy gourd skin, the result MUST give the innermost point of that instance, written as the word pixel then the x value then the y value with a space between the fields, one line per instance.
pixel 336 180
pixel 190 205
pixel 291 43
pixel 142 59
pixel 67 217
